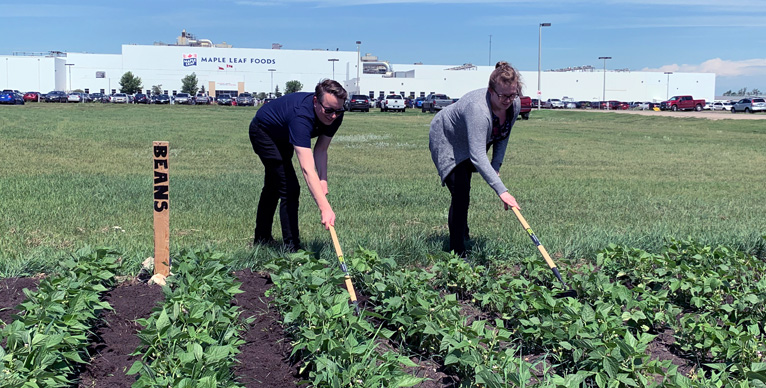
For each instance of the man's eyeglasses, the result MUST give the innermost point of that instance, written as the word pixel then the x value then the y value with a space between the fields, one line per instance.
pixel 330 111
pixel 507 96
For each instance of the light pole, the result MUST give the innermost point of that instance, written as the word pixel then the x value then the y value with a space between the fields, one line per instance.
pixel 272 81
pixel 358 59
pixel 69 65
pixel 490 51
pixel 603 97
pixel 539 55
pixel 333 60
pixel 667 92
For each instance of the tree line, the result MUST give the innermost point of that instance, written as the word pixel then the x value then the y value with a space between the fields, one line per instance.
pixel 132 84
pixel 743 92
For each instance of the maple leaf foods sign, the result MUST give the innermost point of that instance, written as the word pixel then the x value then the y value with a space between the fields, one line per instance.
pixel 191 60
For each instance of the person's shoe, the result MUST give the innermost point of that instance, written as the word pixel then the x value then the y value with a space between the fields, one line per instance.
pixel 463 254
pixel 292 247
pixel 264 241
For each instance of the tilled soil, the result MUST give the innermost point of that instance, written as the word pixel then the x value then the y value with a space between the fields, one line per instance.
pixel 116 339
pixel 263 361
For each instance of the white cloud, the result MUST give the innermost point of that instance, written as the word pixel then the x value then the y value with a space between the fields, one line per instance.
pixel 720 67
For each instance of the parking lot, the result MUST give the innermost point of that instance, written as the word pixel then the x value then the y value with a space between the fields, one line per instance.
pixel 705 114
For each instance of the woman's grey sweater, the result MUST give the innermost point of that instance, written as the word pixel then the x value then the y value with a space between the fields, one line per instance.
pixel 463 130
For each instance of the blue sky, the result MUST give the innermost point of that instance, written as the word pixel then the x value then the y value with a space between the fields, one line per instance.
pixel 724 37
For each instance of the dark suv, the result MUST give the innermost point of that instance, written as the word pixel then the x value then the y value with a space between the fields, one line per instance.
pixel 141 98
pixel 224 99
pixel 56 96
pixel 245 99
pixel 358 102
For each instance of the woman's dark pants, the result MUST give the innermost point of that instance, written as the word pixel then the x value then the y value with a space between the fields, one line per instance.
pixel 459 184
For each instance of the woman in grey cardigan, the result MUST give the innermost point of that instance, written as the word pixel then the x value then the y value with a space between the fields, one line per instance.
pixel 460 137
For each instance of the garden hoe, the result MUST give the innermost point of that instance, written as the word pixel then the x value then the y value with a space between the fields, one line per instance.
pixel 571 293
pixel 349 286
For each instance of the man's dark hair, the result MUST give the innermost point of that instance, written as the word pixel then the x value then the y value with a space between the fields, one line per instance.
pixel 332 87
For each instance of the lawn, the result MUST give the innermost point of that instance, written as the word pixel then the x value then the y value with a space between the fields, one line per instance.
pixel 81 174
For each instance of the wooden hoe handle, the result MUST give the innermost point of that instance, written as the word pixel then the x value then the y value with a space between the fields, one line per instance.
pixel 339 252
pixel 531 234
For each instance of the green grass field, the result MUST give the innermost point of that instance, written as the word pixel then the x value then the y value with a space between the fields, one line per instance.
pixel 81 174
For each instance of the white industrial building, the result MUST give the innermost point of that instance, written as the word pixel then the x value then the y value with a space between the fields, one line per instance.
pixel 237 70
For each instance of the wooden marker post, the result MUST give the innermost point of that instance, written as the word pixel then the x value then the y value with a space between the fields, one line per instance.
pixel 160 151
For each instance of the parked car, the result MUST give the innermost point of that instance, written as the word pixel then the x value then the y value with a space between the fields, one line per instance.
pixel 418 102
pixel 202 98
pixel 11 97
pixel 682 103
pixel 162 99
pixel 358 102
pixel 224 99
pixel 434 102
pixel 618 105
pixel 526 107
pixel 141 98
pixel 569 103
pixel 184 99
pixel 75 97
pixel 98 97
pixel 120 98
pixel 245 99
pixel 643 105
pixel 56 96
pixel 749 105
pixel 31 96
pixel 553 103
pixel 394 102
pixel 721 105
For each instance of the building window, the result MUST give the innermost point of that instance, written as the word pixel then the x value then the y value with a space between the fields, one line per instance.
pixel 401 93
pixel 102 91
pixel 165 92
pixel 422 94
pixel 87 90
pixel 114 91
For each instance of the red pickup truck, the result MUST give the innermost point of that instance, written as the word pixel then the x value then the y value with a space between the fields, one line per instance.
pixel 526 107
pixel 682 103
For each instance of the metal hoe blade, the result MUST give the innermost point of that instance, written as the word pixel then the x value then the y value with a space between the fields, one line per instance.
pixel 570 293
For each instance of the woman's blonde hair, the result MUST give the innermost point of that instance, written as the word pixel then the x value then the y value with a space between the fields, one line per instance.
pixel 507 75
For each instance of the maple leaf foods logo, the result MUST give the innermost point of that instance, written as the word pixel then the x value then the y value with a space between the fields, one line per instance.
pixel 190 60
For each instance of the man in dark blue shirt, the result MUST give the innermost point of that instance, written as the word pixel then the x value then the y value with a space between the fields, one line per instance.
pixel 281 128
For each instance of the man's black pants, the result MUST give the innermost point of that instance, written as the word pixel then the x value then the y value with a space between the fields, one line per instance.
pixel 459 184
pixel 280 186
